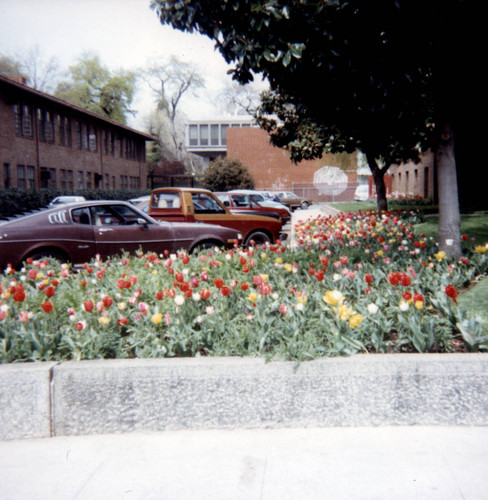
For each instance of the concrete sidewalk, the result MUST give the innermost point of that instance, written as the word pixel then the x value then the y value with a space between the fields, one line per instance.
pixel 315 463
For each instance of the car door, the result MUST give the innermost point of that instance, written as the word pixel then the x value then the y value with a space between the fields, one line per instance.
pixel 119 228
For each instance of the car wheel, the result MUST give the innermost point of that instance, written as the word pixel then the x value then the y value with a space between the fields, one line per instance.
pixel 205 245
pixel 46 254
pixel 304 205
pixel 258 237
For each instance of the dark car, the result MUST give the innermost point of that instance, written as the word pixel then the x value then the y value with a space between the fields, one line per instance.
pixel 77 232
pixel 243 203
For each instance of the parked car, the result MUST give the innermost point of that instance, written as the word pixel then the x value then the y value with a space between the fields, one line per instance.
pixel 242 203
pixel 61 200
pixel 201 205
pixel 77 232
pixel 292 200
pixel 362 192
pixel 264 198
pixel 142 203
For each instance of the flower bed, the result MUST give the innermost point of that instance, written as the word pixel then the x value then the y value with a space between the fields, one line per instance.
pixel 355 283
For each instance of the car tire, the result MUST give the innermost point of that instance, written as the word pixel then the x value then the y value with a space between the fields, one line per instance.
pixel 259 238
pixel 304 205
pixel 39 255
pixel 205 245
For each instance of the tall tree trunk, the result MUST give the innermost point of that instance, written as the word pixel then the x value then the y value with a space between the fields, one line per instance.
pixel 449 218
pixel 379 182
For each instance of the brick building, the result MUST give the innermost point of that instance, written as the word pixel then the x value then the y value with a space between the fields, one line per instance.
pixel 272 168
pixel 330 178
pixel 414 178
pixel 46 142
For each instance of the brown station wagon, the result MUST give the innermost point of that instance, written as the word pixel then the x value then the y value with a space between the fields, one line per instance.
pixel 77 232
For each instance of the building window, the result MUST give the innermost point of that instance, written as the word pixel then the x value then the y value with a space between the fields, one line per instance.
pixel 48 178
pixel 62 179
pixel 31 177
pixel 204 135
pixel 223 134
pixel 41 125
pixel 92 138
pixel 84 136
pixel 80 180
pixel 193 135
pixel 66 179
pixel 7 175
pixel 23 120
pixel 49 127
pixel 121 150
pixel 78 134
pixel 61 130
pixel 214 135
pixel 106 141
pixel 21 180
pixel 69 179
pixel 88 180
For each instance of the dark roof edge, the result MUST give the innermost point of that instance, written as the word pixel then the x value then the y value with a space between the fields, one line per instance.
pixel 48 97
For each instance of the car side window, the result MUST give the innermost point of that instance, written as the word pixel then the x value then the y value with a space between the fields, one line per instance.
pixel 81 216
pixel 224 199
pixel 205 204
pixel 103 216
pixel 240 200
pixel 127 215
pixel 165 200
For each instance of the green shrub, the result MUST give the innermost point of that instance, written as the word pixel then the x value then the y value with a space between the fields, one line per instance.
pixel 224 174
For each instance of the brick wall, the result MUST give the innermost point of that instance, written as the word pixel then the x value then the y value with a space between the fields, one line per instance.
pixel 272 168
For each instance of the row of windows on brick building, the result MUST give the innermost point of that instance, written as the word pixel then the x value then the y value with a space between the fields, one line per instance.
pixel 68 179
pixel 49 125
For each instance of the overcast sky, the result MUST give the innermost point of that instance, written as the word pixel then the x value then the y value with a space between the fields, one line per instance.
pixel 124 33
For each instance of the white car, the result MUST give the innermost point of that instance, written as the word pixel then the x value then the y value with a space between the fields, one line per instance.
pixel 260 198
pixel 362 192
pixel 62 200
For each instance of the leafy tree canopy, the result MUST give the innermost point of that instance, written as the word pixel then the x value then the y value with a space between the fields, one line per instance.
pixel 390 77
pixel 95 88
pixel 224 174
pixel 10 67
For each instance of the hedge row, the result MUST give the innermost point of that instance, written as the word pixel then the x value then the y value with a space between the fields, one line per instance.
pixel 16 201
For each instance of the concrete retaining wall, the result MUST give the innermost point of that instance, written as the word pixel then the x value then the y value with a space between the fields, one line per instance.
pixel 107 396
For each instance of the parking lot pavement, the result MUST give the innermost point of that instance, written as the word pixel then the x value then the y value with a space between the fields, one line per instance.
pixel 266 464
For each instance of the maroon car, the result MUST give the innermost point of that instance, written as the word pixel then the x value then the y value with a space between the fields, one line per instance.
pixel 77 232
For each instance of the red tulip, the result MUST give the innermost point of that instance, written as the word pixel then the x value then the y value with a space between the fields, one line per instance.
pixel 47 306
pixel 107 301
pixel 451 292
pixel 88 305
